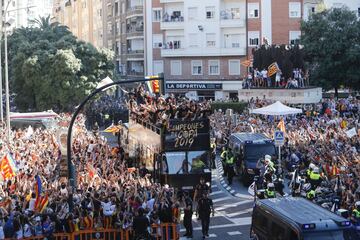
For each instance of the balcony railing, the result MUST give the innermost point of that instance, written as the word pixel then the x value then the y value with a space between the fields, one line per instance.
pixel 134 73
pixel 228 15
pixel 135 51
pixel 172 18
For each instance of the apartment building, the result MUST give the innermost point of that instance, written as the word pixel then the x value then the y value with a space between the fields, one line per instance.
pixel 84 18
pixel 22 13
pixel 124 33
pixel 199 45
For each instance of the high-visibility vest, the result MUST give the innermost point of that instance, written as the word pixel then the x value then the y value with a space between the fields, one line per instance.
pixel 213 145
pixel 314 176
pixel 223 154
pixel 310 194
pixel 356 213
pixel 230 160
pixel 269 193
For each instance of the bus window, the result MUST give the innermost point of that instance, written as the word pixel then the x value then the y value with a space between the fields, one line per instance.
pixel 175 162
pixel 293 235
pixel 260 222
pixel 198 161
pixel 277 232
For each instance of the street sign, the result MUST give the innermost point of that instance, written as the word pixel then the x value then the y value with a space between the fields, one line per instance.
pixel 279 138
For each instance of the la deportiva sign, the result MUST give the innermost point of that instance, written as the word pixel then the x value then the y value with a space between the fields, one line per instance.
pixel 194 86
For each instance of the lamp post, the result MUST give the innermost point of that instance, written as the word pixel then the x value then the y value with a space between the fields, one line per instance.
pixel 7 95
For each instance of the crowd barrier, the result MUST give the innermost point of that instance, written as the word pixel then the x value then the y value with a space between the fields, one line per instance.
pixel 165 231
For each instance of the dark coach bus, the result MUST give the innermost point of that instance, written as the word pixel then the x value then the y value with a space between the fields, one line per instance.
pixel 178 154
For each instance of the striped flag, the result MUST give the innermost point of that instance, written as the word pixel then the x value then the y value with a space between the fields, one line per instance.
pixel 112 129
pixel 44 201
pixel 247 63
pixel 273 69
pixel 281 125
pixel 8 167
pixel 37 190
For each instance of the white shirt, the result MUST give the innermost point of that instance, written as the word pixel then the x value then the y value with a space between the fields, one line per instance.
pixel 108 208
pixel 264 73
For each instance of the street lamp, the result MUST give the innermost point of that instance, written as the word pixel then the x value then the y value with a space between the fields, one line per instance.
pixel 7 64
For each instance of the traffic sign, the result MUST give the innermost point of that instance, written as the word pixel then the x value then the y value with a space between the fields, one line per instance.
pixel 279 138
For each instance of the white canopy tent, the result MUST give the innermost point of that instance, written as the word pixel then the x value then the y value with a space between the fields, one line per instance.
pixel 276 109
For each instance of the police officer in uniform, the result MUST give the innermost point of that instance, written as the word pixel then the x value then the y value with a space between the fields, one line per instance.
pixel 188 211
pixel 230 167
pixel 315 178
pixel 205 206
pixel 356 214
pixel 223 158
pixel 270 191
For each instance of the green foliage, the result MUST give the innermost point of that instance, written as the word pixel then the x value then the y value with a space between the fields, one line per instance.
pixel 50 69
pixel 287 57
pixel 331 43
pixel 235 106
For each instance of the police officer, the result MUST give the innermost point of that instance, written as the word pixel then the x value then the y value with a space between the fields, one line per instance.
pixel 223 157
pixel 270 191
pixel 230 160
pixel 188 211
pixel 356 214
pixel 205 208
pixel 315 178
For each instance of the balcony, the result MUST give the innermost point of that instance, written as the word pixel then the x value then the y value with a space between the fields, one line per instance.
pixel 135 54
pixel 230 19
pixel 171 1
pixel 198 52
pixel 172 25
pixel 134 11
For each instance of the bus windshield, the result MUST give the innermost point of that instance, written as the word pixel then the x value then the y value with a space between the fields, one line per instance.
pixel 253 152
pixel 179 163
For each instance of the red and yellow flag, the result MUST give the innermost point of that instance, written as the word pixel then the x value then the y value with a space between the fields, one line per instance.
pixel 247 63
pixel 112 129
pixel 273 69
pixel 8 167
pixel 281 125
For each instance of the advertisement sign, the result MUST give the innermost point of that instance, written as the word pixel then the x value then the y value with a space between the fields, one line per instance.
pixel 187 135
pixel 194 86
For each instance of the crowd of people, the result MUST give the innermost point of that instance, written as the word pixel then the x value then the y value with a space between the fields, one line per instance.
pixel 109 193
pixel 157 110
pixel 318 139
pixel 261 78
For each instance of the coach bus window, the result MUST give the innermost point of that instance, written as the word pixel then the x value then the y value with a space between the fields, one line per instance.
pixel 176 162
pixel 198 161
pixel 277 232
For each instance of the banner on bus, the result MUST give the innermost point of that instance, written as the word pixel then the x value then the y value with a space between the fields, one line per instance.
pixel 187 135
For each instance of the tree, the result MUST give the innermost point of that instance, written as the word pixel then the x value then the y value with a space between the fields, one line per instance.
pixel 331 45
pixel 51 69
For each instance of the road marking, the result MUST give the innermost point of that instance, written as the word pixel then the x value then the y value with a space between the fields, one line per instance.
pixel 225 185
pixel 232 191
pixel 243 221
pixel 213 186
pixel 216 192
pixel 228 188
pixel 249 210
pixel 234 233
pixel 221 199
pixel 225 206
pixel 246 221
pixel 244 196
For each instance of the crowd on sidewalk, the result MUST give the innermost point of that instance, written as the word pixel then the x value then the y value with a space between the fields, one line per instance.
pixel 110 193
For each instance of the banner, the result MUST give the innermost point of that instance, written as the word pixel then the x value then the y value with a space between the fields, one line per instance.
pixel 247 63
pixel 187 135
pixel 273 69
pixel 8 167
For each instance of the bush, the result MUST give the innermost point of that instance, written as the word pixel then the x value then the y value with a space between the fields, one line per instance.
pixel 237 107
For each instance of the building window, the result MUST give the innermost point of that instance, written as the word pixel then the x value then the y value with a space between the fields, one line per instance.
pixel 158 67
pixel 294 10
pixel 214 67
pixel 294 37
pixel 235 13
pixel 193 40
pixel 123 28
pixel 359 12
pixel 116 8
pixel 253 10
pixel 232 40
pixel 192 12
pixel 196 67
pixel 210 12
pixel 234 67
pixel 157 40
pixel 118 66
pixel 123 8
pixel 210 39
pixel 254 37
pixel 175 67
pixel 156 15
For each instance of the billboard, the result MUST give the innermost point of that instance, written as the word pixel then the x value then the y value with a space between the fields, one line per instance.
pixel 191 135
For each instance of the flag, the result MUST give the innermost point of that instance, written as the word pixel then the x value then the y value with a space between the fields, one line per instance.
pixel 112 129
pixel 281 125
pixel 43 203
pixel 91 171
pixel 154 85
pixel 8 167
pixel 273 68
pixel 251 189
pixel 247 63
pixel 37 190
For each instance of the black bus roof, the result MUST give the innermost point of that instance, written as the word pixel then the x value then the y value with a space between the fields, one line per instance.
pixel 251 137
pixel 301 211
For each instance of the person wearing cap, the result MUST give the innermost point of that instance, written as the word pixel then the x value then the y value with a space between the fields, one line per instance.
pixel 270 191
pixel 205 207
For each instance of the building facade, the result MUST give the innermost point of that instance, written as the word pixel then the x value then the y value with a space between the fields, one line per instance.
pixel 124 33
pixel 199 45
pixel 84 18
pixel 22 13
